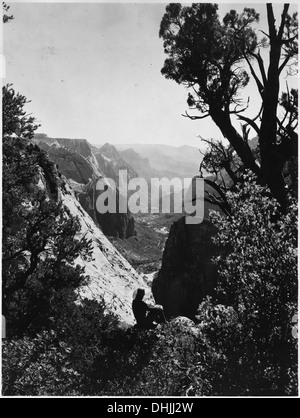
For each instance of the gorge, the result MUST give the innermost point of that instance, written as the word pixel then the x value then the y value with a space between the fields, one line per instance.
pixel 178 256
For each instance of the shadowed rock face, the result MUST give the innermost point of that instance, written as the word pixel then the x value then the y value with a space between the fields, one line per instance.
pixel 111 163
pixel 140 165
pixel 119 225
pixel 71 164
pixel 79 145
pixel 187 274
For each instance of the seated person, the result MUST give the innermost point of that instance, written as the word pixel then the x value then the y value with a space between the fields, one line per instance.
pixel 147 317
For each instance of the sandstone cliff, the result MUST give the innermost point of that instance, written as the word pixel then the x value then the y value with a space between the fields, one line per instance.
pixel 82 165
pixel 110 275
pixel 119 225
pixel 111 162
pixel 187 274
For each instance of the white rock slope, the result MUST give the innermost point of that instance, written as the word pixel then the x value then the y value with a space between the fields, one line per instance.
pixel 111 275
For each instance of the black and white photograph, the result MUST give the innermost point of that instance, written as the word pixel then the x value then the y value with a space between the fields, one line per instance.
pixel 149 202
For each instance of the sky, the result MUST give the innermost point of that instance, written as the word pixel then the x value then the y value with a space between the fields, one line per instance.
pixel 93 70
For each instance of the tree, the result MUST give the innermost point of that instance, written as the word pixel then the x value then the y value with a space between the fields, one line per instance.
pixel 39 237
pixel 209 57
pixel 15 121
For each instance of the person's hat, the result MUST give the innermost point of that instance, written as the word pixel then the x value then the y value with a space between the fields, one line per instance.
pixel 138 291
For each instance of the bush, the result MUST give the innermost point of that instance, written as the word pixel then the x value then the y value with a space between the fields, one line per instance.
pixel 86 352
pixel 259 280
pixel 180 363
pixel 38 367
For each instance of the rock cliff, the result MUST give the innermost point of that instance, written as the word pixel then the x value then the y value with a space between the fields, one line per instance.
pixel 83 165
pixel 111 162
pixel 110 275
pixel 119 225
pixel 187 274
pixel 72 164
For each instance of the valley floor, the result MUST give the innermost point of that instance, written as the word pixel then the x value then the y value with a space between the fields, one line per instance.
pixel 145 250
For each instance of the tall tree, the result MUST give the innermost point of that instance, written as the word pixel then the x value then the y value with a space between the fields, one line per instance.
pixel 39 236
pixel 209 56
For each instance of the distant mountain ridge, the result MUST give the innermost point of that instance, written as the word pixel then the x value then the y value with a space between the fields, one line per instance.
pixel 141 165
pixel 163 160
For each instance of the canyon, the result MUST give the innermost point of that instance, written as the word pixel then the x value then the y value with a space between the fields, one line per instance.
pixel 159 252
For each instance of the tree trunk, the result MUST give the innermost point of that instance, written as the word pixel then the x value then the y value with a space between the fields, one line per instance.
pixel 271 160
pixel 222 120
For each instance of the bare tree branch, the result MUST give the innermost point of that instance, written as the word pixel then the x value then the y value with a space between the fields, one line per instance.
pixel 283 17
pixel 261 67
pixel 250 122
pixel 287 41
pixel 236 112
pixel 257 80
pixel 267 35
pixel 286 60
pixel 220 192
pixel 271 21
pixel 194 117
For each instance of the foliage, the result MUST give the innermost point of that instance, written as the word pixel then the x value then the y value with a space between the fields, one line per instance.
pixel 259 280
pixel 202 51
pixel 15 120
pixel 59 361
pixel 211 57
pixel 38 366
pixel 40 241
pixel 177 366
pixel 91 355
pixel 87 352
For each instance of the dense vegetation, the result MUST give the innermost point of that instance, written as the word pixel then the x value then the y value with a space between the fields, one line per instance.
pixel 243 346
pixel 38 237
pixel 244 340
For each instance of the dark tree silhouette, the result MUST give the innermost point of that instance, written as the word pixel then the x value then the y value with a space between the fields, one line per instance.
pixel 15 120
pixel 39 236
pixel 209 57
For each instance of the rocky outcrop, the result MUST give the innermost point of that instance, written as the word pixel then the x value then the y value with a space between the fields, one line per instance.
pixel 79 145
pixel 120 225
pixel 71 164
pixel 111 162
pixel 188 273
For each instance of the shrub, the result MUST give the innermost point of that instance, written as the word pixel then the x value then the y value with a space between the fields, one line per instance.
pixel 259 281
pixel 38 367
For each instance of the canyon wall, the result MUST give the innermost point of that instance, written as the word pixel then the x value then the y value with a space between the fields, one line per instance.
pixel 188 273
